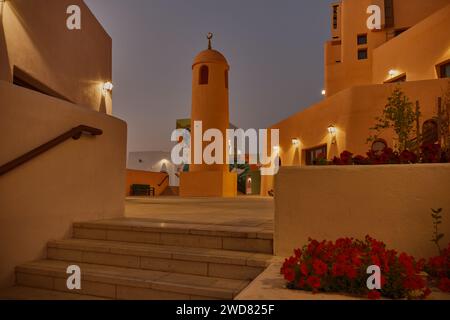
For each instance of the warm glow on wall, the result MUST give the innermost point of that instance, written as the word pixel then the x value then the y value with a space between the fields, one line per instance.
pixel 107 86
pixel 295 142
pixel 324 92
pixel 392 73
pixel 332 131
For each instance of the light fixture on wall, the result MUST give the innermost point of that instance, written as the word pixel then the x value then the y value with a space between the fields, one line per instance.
pixel 332 131
pixel 324 92
pixel 392 73
pixel 295 142
pixel 107 86
pixel 276 149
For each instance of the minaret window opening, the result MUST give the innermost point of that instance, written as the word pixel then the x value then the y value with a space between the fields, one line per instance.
pixel 204 75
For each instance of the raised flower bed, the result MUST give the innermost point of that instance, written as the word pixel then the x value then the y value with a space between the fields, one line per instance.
pixel 341 267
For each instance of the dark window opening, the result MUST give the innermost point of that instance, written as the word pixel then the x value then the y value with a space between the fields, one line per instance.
pixel 335 17
pixel 226 79
pixel 362 54
pixel 362 39
pixel 444 70
pixel 24 80
pixel 204 75
pixel 389 13
pixel 314 155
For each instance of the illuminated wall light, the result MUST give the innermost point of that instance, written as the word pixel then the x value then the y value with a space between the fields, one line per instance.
pixel 276 149
pixel 393 73
pixel 107 86
pixel 295 142
pixel 332 131
pixel 324 92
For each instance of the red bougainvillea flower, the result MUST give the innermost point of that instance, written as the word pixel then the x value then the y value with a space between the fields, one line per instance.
pixel 289 275
pixel 304 269
pixel 351 273
pixel 313 282
pixel 407 157
pixel 338 270
pixel 301 284
pixel 374 295
pixel 319 267
pixel 444 284
pixel 414 283
pixel 342 265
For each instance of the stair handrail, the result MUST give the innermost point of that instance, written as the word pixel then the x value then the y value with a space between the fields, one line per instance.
pixel 74 133
pixel 165 178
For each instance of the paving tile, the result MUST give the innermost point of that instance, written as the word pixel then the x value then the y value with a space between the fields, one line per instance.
pixel 131 293
pixel 169 265
pixel 133 236
pixel 250 245
pixel 233 272
pixel 90 288
pixel 34 280
pixel 84 233
pixel 64 254
pixel 110 259
pixel 190 240
pixel 28 293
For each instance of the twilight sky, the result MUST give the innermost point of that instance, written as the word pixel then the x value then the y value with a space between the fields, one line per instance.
pixel 274 48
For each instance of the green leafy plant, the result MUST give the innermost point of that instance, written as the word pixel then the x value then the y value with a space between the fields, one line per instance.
pixel 437 220
pixel 398 114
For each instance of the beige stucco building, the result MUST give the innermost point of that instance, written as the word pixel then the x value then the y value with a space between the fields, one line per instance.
pixel 51 80
pixel 362 67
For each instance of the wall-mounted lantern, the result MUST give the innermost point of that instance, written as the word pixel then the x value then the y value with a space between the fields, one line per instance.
pixel 332 131
pixel 392 73
pixel 295 142
pixel 107 86
pixel 324 92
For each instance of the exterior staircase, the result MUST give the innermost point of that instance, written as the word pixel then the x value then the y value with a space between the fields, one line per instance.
pixel 140 259
pixel 171 191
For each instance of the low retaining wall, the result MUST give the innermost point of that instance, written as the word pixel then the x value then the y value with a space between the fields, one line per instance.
pixel 391 203
pixel 146 177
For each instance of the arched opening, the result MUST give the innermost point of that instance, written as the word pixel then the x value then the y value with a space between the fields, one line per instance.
pixel 204 75
pixel 430 134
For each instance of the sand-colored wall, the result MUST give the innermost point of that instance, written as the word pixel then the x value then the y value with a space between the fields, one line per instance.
pixel 390 203
pixel 146 177
pixel 416 52
pixel 351 71
pixel 75 181
pixel 352 112
pixel 74 63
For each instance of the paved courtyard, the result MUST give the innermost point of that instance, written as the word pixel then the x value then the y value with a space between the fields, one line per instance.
pixel 245 212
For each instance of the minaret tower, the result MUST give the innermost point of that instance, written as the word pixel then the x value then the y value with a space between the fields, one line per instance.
pixel 210 106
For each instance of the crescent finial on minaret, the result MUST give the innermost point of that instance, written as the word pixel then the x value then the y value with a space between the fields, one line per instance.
pixel 209 36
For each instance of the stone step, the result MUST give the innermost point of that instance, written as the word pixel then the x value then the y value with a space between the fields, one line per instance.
pixel 249 239
pixel 27 293
pixel 198 261
pixel 127 283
